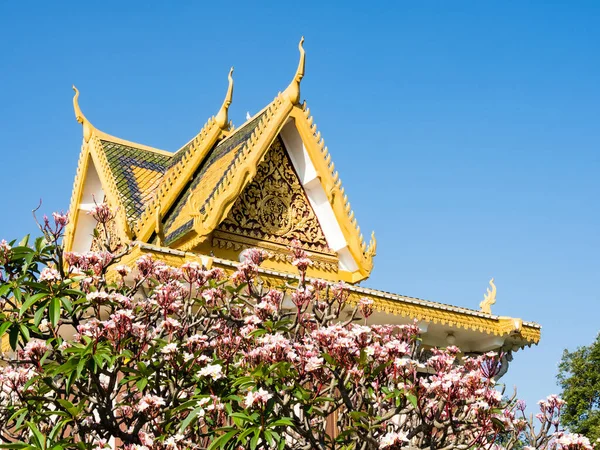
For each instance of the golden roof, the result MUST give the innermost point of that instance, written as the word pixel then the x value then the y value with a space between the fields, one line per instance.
pixel 182 200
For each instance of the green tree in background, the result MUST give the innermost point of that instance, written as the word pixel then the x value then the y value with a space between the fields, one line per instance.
pixel 579 377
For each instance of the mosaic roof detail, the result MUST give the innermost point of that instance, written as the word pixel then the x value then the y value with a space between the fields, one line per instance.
pixel 136 172
pixel 206 180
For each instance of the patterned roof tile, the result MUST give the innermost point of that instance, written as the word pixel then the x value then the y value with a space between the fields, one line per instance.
pixel 206 180
pixel 137 172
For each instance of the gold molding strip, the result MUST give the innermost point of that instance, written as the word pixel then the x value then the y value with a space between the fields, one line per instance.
pixel 332 184
pixel 410 307
pixel 175 179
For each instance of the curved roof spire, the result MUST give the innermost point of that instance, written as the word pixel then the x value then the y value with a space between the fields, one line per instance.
pixel 222 118
pixel 293 90
pixel 88 128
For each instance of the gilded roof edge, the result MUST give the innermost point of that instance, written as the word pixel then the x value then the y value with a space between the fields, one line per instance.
pixel 91 150
pixel 76 197
pixel 176 177
pixel 362 252
pixel 386 302
pixel 241 170
pixel 117 140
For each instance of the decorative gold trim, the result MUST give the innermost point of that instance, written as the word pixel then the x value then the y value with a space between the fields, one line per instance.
pixel 423 310
pixel 88 128
pixel 175 179
pixel 78 184
pixel 221 118
pixel 489 298
pixel 173 258
pixel 93 151
pixel 292 92
pixel 235 235
pixel 274 206
pixel 114 234
pixel 278 252
pixel 362 253
pixel 109 186
pixel 108 137
pixel 511 325
pixel 5 344
pixel 409 307
pixel 242 170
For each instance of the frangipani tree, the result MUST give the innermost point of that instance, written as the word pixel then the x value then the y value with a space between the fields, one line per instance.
pixel 190 358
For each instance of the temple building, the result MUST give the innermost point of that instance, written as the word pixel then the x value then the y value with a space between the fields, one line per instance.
pixel 262 184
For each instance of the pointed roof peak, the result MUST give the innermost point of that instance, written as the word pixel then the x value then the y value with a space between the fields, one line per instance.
pixel 222 117
pixel 292 92
pixel 88 128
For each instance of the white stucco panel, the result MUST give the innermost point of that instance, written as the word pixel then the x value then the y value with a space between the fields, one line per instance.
pixel 316 195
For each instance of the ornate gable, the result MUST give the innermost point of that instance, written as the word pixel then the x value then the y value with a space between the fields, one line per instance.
pixel 272 211
pixel 264 184
pixel 194 200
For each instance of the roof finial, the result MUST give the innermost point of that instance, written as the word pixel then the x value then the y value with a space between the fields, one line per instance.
pixel 88 128
pixel 293 90
pixel 222 117
pixel 489 299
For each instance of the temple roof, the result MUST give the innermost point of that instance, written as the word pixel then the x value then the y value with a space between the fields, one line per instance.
pixel 182 203
pixel 179 199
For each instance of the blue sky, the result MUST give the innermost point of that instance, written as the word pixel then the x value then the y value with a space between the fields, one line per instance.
pixel 466 133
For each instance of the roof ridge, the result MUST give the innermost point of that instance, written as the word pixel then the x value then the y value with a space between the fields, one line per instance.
pixel 478 319
pixel 172 175
pixel 258 130
pixel 237 172
pixel 117 140
pixel 332 184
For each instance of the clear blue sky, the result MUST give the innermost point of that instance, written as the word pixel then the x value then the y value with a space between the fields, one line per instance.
pixel 466 133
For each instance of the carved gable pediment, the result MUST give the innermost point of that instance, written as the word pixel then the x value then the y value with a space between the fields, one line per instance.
pixel 272 211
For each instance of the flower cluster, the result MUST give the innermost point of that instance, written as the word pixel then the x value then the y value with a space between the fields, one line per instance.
pixel 185 358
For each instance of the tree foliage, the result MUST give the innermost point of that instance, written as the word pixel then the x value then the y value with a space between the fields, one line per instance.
pixel 152 357
pixel 579 378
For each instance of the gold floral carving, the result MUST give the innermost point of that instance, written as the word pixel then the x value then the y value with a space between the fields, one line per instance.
pixel 274 207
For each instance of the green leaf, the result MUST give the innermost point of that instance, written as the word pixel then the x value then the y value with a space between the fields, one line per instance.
pixel 13 336
pixel 329 359
pixel 141 383
pixel 4 289
pixel 24 332
pixel 269 438
pixel 242 437
pixel 412 399
pixel 254 441
pixel 72 378
pixel 242 416
pixel 191 416
pixel 67 304
pixel 38 316
pixel 30 302
pixel 54 311
pixel 38 437
pixel 221 441
pixel 4 327
pixel 68 406
pixel 57 428
pixel 284 421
